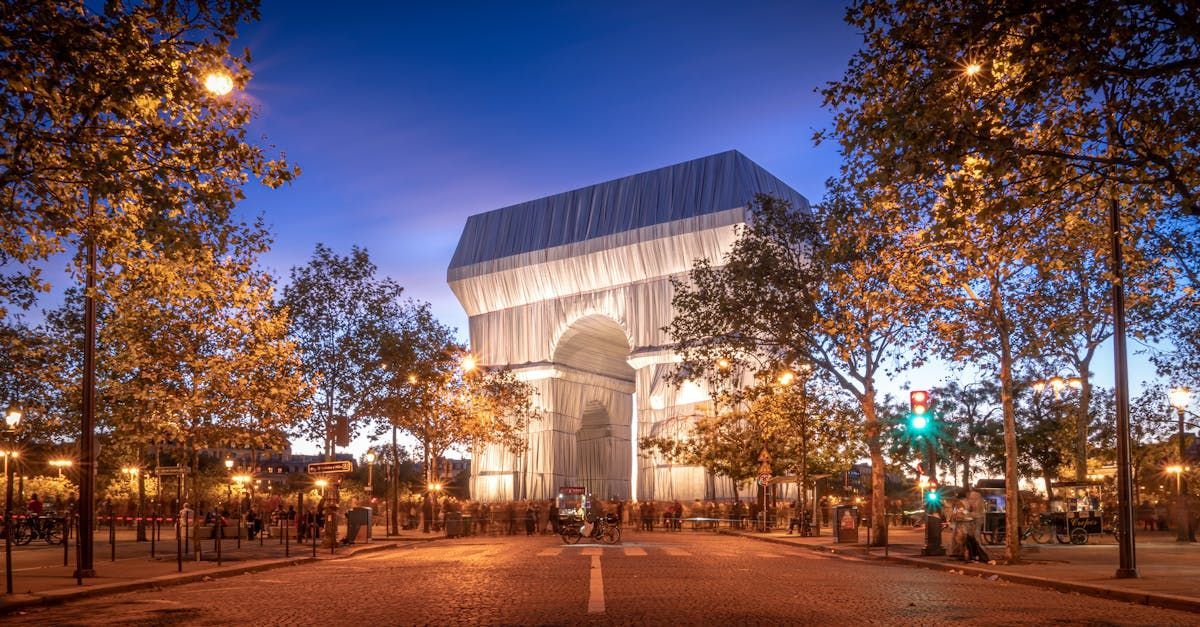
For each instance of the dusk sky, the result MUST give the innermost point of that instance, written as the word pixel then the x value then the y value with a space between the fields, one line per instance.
pixel 408 119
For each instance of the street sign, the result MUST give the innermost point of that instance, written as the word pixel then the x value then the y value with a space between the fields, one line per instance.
pixel 325 468
pixel 764 479
pixel 167 471
pixel 572 490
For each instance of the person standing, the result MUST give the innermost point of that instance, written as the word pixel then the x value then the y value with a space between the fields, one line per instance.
pixel 530 519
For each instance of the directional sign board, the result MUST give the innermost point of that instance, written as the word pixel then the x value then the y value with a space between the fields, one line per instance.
pixel 167 471
pixel 764 478
pixel 326 468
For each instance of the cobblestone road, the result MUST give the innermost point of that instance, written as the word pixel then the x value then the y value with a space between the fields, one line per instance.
pixel 648 579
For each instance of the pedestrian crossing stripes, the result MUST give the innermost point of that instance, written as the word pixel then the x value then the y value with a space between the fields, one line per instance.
pixel 550 552
pixel 634 551
pixel 670 550
pixel 637 551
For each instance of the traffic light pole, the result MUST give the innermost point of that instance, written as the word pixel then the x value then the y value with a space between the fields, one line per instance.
pixel 933 526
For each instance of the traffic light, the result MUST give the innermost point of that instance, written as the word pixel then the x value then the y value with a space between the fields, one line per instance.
pixel 932 496
pixel 918 415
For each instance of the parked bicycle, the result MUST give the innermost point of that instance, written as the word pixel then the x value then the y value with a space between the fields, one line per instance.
pixel 48 528
pixel 606 529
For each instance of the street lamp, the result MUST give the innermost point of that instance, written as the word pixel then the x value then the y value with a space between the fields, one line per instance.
pixel 1181 397
pixel 12 418
pixel 60 464
pixel 371 472
pixel 468 363
pixel 218 82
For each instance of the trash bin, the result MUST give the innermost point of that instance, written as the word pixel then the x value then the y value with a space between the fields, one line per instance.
pixel 845 520
pixel 467 525
pixel 453 524
pixel 358 524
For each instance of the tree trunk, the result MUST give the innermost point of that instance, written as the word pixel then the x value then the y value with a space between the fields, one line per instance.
pixel 392 475
pixel 1083 421
pixel 1012 513
pixel 879 527
pixel 966 475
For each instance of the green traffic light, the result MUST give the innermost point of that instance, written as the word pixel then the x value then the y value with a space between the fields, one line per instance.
pixel 918 422
pixel 932 496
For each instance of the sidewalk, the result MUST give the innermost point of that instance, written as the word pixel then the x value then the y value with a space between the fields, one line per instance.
pixel 1170 571
pixel 39 576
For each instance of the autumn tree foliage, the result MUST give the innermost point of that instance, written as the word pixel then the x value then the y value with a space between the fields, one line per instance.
pixel 427 386
pixel 107 131
pixel 807 427
pixel 1095 91
pixel 827 290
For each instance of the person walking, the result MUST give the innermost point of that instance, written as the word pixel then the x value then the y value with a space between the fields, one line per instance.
pixel 530 519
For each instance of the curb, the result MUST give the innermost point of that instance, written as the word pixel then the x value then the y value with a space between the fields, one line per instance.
pixel 58 596
pixel 1166 601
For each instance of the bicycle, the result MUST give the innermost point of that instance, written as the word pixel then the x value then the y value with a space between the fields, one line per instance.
pixel 44 527
pixel 606 529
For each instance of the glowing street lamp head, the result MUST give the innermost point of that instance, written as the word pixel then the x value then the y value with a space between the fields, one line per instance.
pixel 468 363
pixel 1175 469
pixel 228 464
pixel 972 69
pixel 370 457
pixel 218 82
pixel 723 364
pixel 787 377
pixel 1181 397
pixel 12 417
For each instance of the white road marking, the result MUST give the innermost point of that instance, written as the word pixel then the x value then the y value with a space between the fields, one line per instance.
pixel 550 552
pixel 670 550
pixel 769 555
pixel 593 551
pixel 596 588
pixel 633 551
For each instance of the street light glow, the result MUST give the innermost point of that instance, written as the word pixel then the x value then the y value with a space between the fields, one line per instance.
pixel 468 363
pixel 972 69
pixel 370 457
pixel 12 416
pixel 786 378
pixel 1176 469
pixel 218 82
pixel 228 464
pixel 1181 397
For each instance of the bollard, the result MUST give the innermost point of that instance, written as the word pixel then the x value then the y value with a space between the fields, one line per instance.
pixel 78 551
pixel 112 536
pixel 179 545
pixel 220 527
pixel 153 533
pixel 239 532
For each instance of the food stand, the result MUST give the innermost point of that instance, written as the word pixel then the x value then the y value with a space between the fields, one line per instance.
pixel 1075 511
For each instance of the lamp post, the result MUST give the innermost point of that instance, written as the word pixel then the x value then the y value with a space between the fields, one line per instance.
pixel 370 473
pixel 1181 397
pixel 12 418
pixel 229 484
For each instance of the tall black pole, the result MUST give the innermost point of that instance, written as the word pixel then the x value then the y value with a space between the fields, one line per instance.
pixel 8 523
pixel 1128 560
pixel 87 453
pixel 933 525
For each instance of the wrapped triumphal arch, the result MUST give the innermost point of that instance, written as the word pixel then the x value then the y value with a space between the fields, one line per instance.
pixel 572 291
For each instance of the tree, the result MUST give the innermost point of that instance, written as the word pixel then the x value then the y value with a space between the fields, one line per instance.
pixel 1045 437
pixel 826 289
pixel 195 356
pixel 1101 91
pixel 431 391
pixel 109 134
pixel 806 427
pixel 339 312
pixel 968 415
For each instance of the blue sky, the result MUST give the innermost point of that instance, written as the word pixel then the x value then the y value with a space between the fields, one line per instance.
pixel 406 119
pixel 409 119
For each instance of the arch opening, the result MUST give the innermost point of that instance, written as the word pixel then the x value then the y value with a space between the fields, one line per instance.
pixel 596 393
